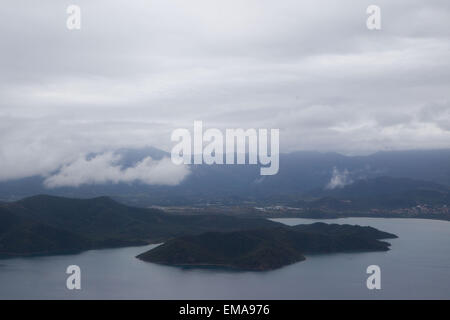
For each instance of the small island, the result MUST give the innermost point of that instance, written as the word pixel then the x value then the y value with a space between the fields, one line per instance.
pixel 266 248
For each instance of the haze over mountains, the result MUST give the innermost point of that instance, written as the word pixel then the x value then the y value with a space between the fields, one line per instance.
pixel 301 175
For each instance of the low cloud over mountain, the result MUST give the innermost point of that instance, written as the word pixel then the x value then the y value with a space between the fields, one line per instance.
pixel 105 168
pixel 339 179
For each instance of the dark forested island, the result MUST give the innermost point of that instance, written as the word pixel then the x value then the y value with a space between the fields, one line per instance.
pixel 43 225
pixel 267 248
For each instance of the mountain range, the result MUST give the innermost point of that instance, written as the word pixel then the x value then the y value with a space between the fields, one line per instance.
pixel 302 175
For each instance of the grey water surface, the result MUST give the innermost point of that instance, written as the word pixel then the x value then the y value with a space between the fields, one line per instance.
pixel 416 267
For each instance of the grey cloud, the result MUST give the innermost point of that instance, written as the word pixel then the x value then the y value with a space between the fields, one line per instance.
pixel 437 113
pixel 137 70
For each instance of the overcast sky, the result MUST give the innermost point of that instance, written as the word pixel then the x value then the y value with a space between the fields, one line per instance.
pixel 139 69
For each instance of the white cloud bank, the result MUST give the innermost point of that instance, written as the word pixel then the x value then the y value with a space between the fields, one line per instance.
pixel 104 168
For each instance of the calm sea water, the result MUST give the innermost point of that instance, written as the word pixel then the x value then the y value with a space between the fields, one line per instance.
pixel 417 267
